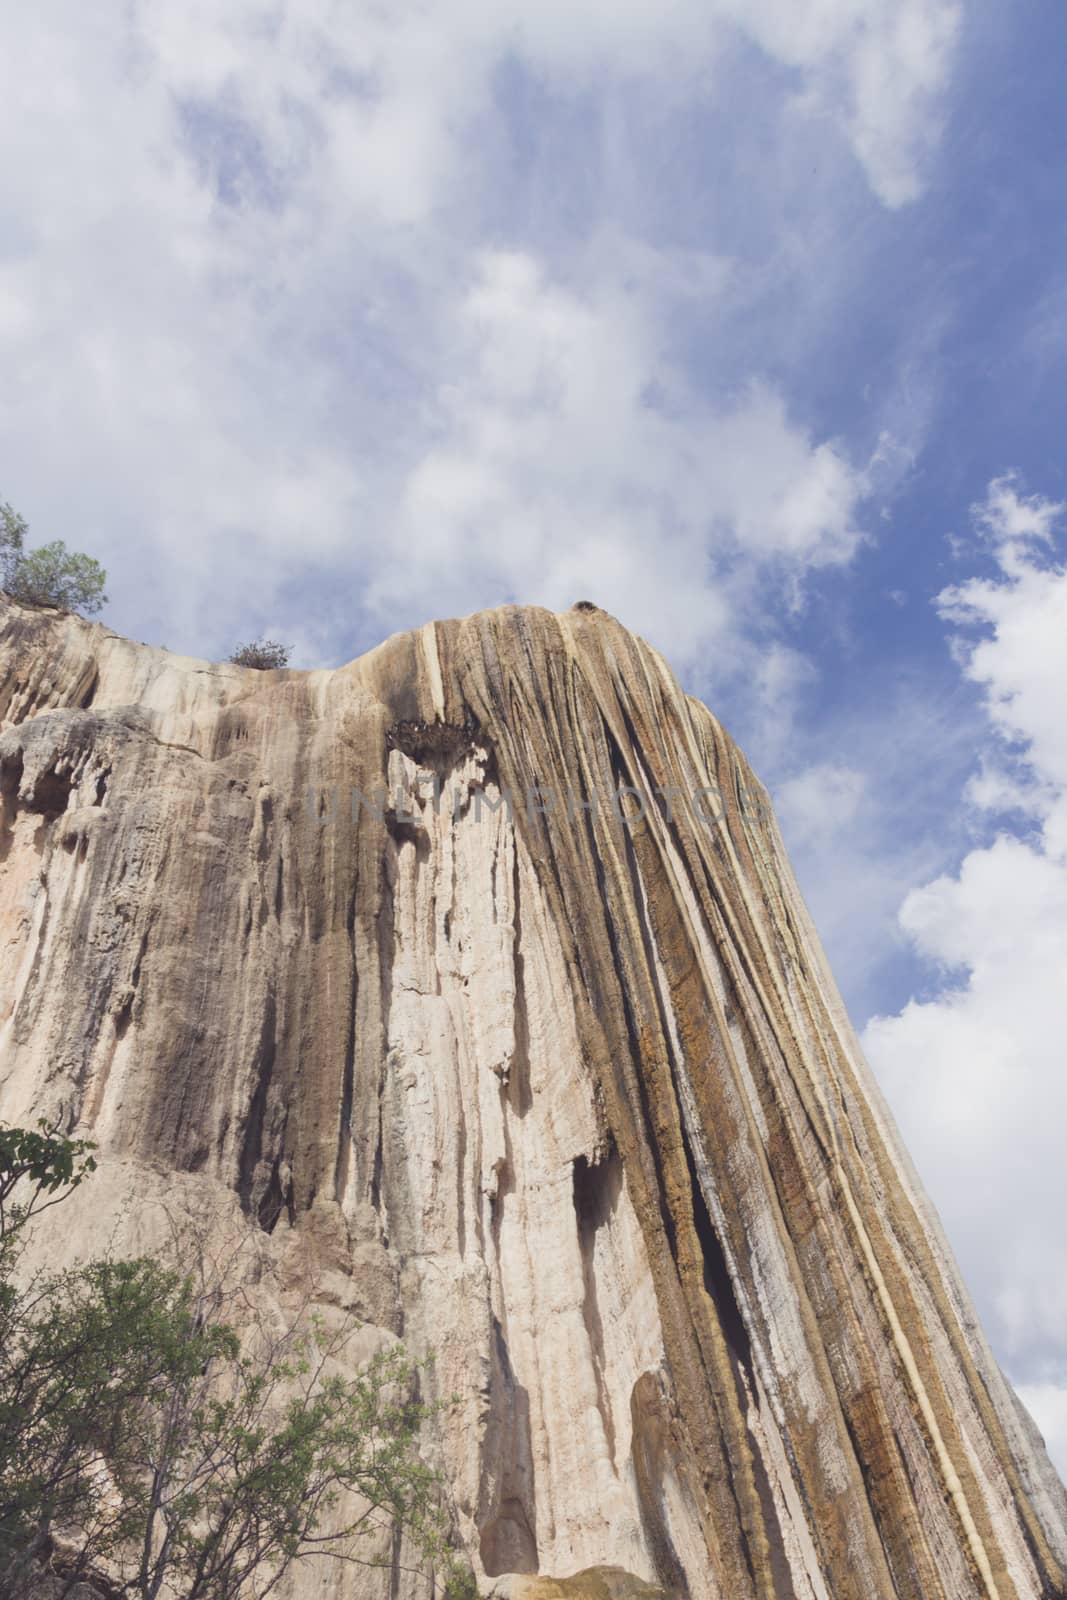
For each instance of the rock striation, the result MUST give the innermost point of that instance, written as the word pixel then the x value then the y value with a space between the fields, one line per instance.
pixel 471 982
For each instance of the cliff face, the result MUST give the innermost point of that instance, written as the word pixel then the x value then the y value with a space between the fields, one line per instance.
pixel 572 1101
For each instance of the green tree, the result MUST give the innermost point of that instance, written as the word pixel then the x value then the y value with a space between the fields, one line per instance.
pixel 38 1168
pixel 51 575
pixel 268 1457
pixel 149 1449
pixel 12 536
pixel 84 1355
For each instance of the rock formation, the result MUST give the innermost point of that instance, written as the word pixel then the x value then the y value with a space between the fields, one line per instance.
pixel 370 962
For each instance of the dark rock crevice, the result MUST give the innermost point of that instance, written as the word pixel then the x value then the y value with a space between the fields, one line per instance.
pixel 597 1187
pixel 11 769
pixel 519 1092
pixel 260 1186
pixel 507 1526
pixel 438 745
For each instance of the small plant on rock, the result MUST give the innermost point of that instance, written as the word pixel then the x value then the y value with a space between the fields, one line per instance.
pixel 265 655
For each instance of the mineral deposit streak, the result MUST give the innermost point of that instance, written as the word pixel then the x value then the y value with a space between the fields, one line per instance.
pixel 570 1101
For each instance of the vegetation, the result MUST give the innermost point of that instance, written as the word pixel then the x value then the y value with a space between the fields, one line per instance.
pixel 13 530
pixel 263 654
pixel 37 1170
pixel 147 1449
pixel 51 575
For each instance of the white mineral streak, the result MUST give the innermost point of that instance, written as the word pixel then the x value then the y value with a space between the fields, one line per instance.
pixel 490 1178
pixel 575 1106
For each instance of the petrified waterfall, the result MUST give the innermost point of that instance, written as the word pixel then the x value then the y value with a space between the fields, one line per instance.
pixel 471 981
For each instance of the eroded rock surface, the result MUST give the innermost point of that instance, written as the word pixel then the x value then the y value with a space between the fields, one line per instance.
pixel 574 1103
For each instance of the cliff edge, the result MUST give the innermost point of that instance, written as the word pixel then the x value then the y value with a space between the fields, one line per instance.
pixel 471 982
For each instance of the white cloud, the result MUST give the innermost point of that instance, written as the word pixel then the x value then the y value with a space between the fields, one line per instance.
pixel 573 463
pixel 976 1073
pixel 820 800
pixel 900 62
pixel 774 687
pixel 860 794
pixel 245 259
pixel 877 69
pixel 1008 517
pixel 1047 1404
pixel 1021 664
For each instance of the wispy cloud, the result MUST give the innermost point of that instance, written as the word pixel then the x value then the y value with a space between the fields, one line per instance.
pixel 573 460
pixel 262 341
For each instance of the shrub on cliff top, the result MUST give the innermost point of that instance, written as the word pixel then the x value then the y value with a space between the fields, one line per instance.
pixel 51 575
pixel 264 654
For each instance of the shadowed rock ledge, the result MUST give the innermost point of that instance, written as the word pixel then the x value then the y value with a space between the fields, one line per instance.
pixel 571 1101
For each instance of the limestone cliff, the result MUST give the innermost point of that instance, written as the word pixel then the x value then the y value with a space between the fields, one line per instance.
pixel 570 1099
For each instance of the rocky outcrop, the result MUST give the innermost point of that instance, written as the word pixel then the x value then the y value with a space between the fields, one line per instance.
pixel 375 967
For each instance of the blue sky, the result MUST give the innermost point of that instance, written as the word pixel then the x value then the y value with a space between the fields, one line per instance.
pixel 746 321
